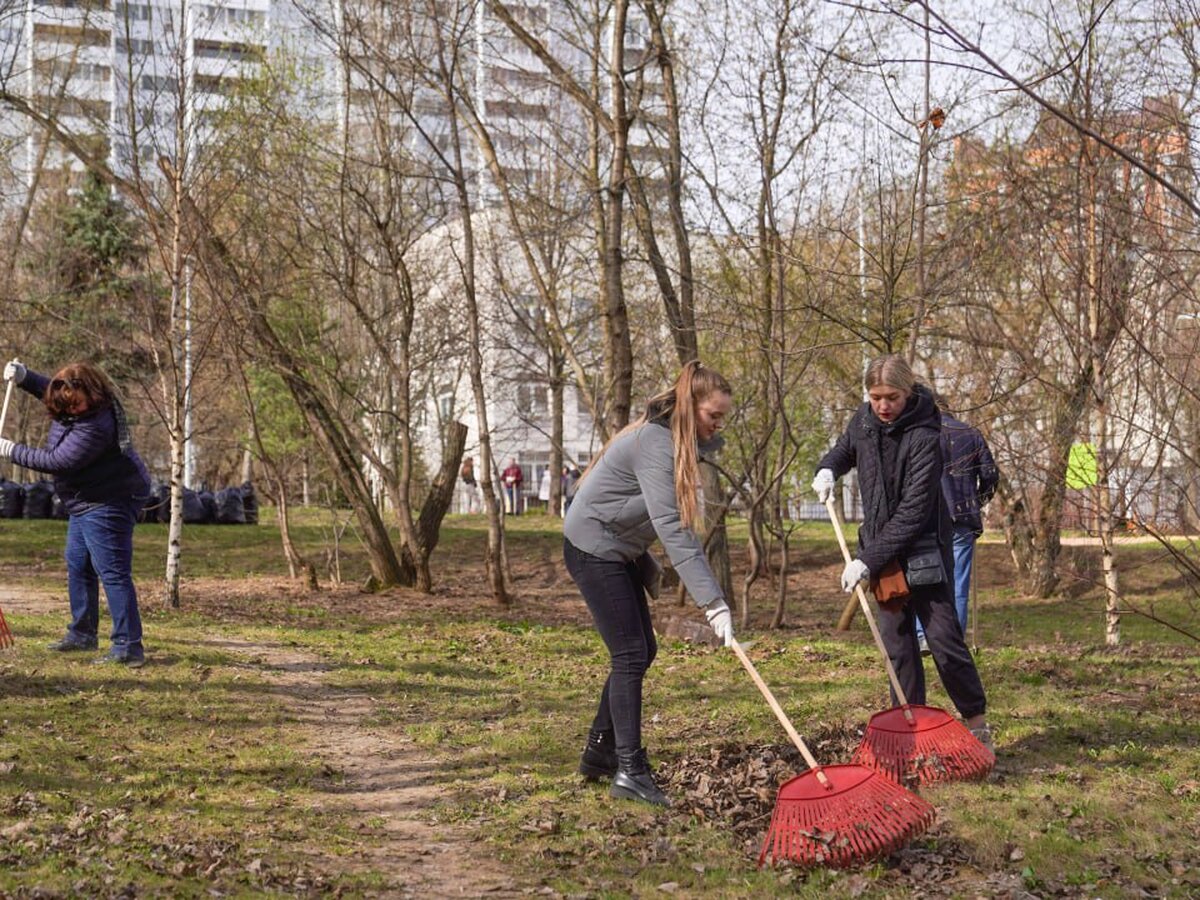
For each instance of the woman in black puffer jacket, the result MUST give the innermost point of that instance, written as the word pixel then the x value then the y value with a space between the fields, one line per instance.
pixel 894 442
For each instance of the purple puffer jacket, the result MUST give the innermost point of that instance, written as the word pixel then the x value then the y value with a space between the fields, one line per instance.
pixel 85 456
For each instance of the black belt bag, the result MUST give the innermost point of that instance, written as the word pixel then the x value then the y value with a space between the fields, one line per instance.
pixel 923 564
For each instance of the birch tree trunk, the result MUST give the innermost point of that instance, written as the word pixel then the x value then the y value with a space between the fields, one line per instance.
pixel 175 386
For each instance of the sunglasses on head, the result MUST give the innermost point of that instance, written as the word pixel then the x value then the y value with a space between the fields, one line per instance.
pixel 59 383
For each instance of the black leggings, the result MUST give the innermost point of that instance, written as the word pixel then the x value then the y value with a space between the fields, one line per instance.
pixel 617 601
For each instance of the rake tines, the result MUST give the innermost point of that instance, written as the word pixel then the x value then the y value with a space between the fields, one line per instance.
pixel 6 635
pixel 931 746
pixel 835 815
pixel 913 744
pixel 858 816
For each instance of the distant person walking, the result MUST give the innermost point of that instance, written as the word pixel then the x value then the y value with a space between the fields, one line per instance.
pixel 470 487
pixel 894 442
pixel 969 480
pixel 570 486
pixel 512 478
pixel 644 485
pixel 103 484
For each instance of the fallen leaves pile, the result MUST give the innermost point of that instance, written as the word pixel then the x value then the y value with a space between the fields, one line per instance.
pixel 736 784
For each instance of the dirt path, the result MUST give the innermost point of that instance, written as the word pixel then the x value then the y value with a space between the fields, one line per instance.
pixel 383 781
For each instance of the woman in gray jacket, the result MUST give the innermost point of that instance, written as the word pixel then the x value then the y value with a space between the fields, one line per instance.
pixel 642 486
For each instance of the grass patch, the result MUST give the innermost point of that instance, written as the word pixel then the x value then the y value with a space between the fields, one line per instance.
pixel 187 776
pixel 174 779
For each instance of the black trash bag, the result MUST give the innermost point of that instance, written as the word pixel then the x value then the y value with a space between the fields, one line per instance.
pixel 249 503
pixel 39 500
pixel 163 498
pixel 58 509
pixel 194 512
pixel 210 507
pixel 12 499
pixel 151 511
pixel 230 508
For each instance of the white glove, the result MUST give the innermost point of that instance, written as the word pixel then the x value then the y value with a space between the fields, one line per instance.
pixel 720 620
pixel 6 448
pixel 856 570
pixel 823 484
pixel 14 372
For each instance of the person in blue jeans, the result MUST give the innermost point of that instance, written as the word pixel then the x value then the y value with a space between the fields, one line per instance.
pixel 102 483
pixel 969 480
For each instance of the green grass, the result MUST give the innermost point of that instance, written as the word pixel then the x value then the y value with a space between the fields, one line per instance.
pixel 1084 789
pixel 174 779
pixel 186 776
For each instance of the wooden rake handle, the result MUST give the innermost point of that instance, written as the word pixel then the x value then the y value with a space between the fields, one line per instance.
pixel 866 608
pixel 7 396
pixel 779 713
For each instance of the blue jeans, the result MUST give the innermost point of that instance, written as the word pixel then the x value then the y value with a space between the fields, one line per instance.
pixel 964 559
pixel 100 551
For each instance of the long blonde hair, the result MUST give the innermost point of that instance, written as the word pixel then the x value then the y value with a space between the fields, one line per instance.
pixel 695 383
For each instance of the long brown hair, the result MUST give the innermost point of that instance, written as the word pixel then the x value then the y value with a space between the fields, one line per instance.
pixel 695 383
pixel 78 381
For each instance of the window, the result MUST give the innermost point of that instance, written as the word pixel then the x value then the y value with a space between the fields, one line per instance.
pixel 73 106
pixel 79 35
pixel 135 46
pixel 134 12
pixel 62 70
pixel 223 15
pixel 227 50
pixel 214 84
pixel 75 4
pixel 162 83
pixel 533 400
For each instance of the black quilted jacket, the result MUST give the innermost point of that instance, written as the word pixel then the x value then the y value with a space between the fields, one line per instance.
pixel 899 473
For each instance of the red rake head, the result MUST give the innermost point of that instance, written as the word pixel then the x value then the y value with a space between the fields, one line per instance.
pixel 933 747
pixel 859 816
pixel 6 636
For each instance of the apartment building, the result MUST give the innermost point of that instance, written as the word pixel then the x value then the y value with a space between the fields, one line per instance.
pixel 118 75
pixel 122 78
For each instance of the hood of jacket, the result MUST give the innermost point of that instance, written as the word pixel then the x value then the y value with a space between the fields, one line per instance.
pixel 919 412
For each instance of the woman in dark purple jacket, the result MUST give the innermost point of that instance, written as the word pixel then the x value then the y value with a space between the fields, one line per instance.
pixel 102 483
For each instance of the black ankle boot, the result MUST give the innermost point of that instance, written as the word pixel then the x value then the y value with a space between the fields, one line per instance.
pixel 634 780
pixel 599 758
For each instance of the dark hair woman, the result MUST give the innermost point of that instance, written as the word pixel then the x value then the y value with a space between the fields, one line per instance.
pixel 644 484
pixel 102 483
pixel 894 442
